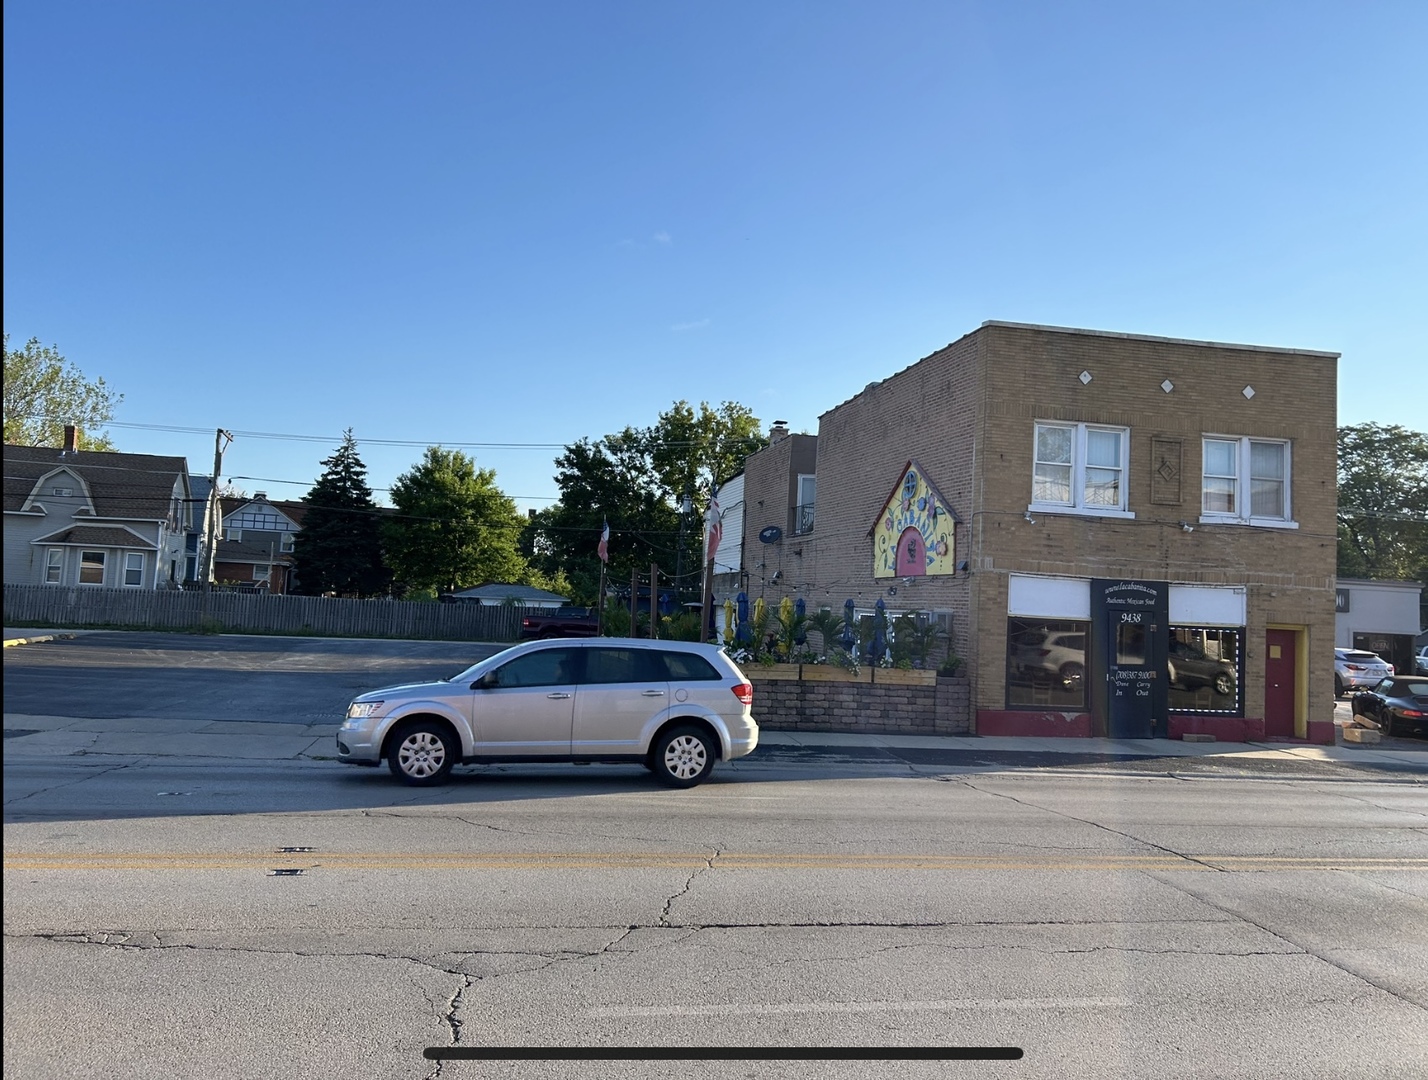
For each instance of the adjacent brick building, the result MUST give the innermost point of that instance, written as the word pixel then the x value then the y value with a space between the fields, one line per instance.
pixel 1126 535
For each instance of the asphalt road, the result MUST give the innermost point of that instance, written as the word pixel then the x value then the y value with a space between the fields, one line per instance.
pixel 175 917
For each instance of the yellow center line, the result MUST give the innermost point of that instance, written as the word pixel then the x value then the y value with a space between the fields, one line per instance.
pixel 339 860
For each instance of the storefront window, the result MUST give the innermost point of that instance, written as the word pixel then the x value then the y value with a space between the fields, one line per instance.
pixel 1204 669
pixel 1046 663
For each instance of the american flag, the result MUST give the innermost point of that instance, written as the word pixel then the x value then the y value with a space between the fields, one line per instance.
pixel 604 547
pixel 714 518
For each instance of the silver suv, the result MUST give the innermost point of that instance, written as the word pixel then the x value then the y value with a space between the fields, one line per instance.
pixel 672 706
pixel 1355 668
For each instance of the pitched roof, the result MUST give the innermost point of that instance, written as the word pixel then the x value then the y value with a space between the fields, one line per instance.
pixel 97 536
pixel 496 592
pixel 291 509
pixel 249 551
pixel 139 486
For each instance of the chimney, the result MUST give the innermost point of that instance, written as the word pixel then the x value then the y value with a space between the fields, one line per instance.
pixel 260 496
pixel 778 431
pixel 71 439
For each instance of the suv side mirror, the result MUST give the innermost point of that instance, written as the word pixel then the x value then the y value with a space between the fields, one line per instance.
pixel 486 682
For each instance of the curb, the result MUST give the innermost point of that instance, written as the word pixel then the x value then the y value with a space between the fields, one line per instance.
pixel 38 640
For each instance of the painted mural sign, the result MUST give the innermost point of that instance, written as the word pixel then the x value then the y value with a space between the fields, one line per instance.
pixel 915 534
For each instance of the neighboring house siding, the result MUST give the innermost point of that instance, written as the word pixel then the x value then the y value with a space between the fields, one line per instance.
pixel 124 505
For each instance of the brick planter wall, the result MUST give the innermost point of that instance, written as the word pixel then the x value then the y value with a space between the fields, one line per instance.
pixel 782 704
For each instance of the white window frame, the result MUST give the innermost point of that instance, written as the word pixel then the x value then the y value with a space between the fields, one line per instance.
pixel 267 573
pixel 287 542
pixel 103 567
pixel 54 566
pixel 130 568
pixel 1078 505
pixel 1243 489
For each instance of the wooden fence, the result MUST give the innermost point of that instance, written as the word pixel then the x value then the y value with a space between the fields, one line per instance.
pixel 237 613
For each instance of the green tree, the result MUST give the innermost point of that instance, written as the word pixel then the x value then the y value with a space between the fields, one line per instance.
pixel 636 480
pixel 1383 502
pixel 339 548
pixel 44 392
pixel 453 527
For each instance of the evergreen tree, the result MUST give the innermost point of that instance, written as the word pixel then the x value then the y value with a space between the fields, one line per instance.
pixel 339 548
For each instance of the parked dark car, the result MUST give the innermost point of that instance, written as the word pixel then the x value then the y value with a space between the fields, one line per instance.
pixel 1397 704
pixel 1189 668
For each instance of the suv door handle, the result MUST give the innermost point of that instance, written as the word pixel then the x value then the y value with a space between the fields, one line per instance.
pixel 651 693
pixel 557 696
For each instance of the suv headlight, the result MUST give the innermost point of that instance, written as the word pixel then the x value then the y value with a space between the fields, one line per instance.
pixel 361 710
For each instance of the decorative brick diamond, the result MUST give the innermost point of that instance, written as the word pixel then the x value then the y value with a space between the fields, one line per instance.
pixel 1167 386
pixel 1248 391
pixel 1085 377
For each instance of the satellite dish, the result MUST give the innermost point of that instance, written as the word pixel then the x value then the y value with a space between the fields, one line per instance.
pixel 771 535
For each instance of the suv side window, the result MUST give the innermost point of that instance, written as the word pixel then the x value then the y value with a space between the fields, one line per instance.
pixel 606 665
pixel 547 667
pixel 687 667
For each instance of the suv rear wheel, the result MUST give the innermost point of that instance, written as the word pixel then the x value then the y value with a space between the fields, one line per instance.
pixel 421 754
pixel 683 756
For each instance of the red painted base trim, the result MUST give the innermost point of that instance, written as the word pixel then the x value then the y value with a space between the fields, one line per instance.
pixel 1044 725
pixel 1224 728
pixel 1322 732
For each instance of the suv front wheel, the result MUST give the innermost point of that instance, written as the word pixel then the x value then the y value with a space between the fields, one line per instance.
pixel 683 756
pixel 421 754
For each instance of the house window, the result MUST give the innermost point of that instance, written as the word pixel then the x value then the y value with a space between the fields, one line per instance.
pixel 54 565
pixel 62 492
pixel 91 568
pixel 1081 469
pixel 287 543
pixel 232 533
pixel 133 568
pixel 261 571
pixel 1245 481
pixel 803 511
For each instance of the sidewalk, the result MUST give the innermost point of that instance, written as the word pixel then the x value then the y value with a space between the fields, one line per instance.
pixel 49 736
pixel 39 736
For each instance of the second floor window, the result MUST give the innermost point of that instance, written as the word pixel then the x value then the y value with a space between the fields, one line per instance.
pixel 1081 468
pixel 803 512
pixel 1245 480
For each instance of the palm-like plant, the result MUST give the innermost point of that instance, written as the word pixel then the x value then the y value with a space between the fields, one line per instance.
pixel 829 625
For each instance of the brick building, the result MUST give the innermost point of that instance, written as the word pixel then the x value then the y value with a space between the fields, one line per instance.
pixel 1126 535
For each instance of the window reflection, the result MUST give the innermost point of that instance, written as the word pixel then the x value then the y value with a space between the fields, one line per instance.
pixel 1046 663
pixel 1203 668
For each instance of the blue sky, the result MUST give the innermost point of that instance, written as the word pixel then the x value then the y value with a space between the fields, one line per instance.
pixel 524 223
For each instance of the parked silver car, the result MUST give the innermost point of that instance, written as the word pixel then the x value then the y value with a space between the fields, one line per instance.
pixel 1355 669
pixel 672 706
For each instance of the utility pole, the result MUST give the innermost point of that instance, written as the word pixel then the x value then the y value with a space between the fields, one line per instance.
pixel 215 510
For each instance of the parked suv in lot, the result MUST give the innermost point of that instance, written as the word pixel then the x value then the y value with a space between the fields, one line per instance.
pixel 673 706
pixel 1355 669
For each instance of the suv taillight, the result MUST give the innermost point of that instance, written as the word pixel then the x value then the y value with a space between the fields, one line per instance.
pixel 744 692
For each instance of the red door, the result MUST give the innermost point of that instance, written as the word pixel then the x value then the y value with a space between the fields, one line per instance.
pixel 911 554
pixel 1279 682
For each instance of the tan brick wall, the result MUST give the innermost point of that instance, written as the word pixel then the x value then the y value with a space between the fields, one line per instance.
pixel 925 413
pixel 967 413
pixel 1290 573
pixel 770 491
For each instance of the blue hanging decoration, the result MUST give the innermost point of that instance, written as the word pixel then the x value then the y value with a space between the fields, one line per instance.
pixel 880 637
pixel 800 609
pixel 743 632
pixel 849 638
